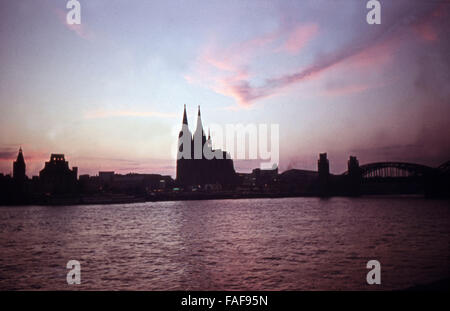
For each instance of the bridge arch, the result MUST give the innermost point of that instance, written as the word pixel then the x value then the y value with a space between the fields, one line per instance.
pixel 393 170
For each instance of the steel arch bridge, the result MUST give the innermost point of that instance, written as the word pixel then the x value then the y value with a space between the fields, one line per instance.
pixel 393 170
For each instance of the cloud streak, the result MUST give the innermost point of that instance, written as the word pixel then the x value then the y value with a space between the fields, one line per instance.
pixel 7 155
pixel 224 70
pixel 365 52
pixel 299 38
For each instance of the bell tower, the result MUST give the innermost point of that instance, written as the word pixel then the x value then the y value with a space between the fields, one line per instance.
pixel 19 167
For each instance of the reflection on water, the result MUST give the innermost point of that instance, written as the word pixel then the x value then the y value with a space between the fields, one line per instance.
pixel 265 244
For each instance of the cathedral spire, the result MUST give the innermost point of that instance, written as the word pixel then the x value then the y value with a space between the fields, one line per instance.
pixel 199 129
pixel 185 121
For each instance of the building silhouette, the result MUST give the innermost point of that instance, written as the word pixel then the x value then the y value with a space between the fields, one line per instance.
pixel 354 177
pixel 57 177
pixel 323 167
pixel 19 167
pixel 212 171
pixel 198 164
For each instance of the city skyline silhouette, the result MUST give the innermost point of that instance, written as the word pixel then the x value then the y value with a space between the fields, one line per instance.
pixel 109 98
pixel 205 173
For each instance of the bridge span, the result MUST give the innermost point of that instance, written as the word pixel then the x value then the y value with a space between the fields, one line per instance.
pixel 393 170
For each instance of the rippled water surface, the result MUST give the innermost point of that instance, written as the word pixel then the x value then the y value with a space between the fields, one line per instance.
pixel 264 244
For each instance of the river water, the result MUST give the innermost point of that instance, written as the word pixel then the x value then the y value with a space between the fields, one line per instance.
pixel 250 244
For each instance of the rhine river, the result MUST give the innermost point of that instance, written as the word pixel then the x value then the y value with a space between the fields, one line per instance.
pixel 249 244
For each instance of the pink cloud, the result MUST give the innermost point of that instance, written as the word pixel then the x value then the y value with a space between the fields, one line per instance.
pixel 360 57
pixel 366 53
pixel 228 72
pixel 426 29
pixel 374 56
pixel 219 70
pixel 299 37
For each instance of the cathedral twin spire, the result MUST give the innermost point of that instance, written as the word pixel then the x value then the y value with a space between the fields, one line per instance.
pixel 199 129
pixel 201 171
pixel 196 141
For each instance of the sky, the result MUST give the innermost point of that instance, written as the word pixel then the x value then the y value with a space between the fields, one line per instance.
pixel 109 93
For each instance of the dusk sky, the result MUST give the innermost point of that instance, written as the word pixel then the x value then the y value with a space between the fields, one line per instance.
pixel 109 93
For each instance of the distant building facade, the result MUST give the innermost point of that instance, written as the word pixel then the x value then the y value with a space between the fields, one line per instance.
pixel 57 177
pixel 323 167
pixel 354 177
pixel 195 163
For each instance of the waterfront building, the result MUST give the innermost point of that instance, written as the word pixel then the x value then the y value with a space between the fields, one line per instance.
pixel 323 166
pixel 57 177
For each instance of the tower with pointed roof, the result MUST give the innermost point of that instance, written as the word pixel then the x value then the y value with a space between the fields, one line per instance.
pixel 19 167
pixel 184 152
pixel 184 138
pixel 199 138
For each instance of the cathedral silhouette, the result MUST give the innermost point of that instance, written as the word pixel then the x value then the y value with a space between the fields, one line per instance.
pixel 198 164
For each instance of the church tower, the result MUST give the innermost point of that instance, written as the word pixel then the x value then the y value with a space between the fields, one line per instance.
pixel 184 139
pixel 184 152
pixel 19 167
pixel 199 138
pixel 193 167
